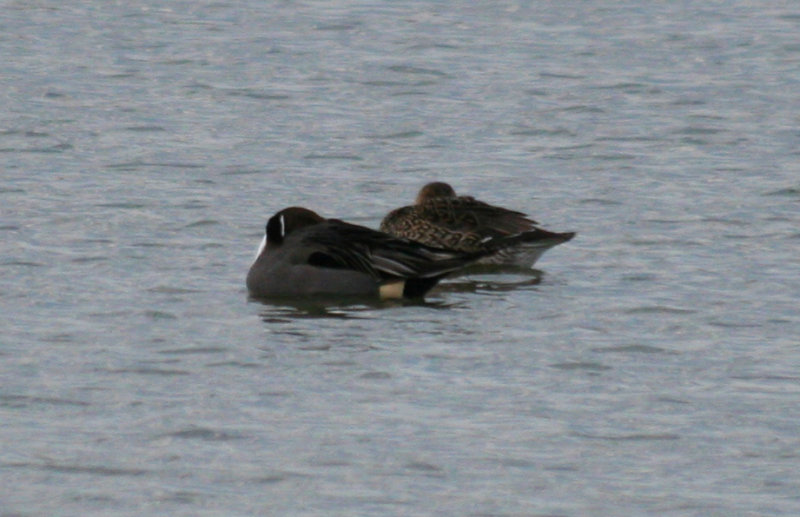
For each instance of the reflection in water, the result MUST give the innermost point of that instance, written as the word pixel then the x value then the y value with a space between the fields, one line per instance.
pixel 281 311
pixel 285 309
pixel 493 284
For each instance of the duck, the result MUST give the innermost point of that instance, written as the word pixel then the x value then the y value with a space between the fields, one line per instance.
pixel 440 218
pixel 303 254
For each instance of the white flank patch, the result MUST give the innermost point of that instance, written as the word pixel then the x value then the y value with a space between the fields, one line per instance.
pixel 393 290
pixel 283 227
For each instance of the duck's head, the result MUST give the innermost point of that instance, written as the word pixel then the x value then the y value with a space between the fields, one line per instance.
pixel 434 190
pixel 289 220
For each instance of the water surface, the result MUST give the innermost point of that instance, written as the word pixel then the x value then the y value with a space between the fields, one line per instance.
pixel 652 368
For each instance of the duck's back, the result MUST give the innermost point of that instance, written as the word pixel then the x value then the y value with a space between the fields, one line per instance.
pixel 461 223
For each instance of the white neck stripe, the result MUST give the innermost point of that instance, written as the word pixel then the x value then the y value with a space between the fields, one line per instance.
pixel 261 246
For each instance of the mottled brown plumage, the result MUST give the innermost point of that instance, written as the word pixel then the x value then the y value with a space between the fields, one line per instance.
pixel 442 219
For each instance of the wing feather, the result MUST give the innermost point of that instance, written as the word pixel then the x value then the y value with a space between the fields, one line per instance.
pixel 378 254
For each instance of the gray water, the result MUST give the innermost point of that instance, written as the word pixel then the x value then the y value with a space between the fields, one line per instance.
pixel 654 368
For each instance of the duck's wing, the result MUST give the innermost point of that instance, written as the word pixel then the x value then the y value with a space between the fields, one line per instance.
pixel 467 214
pixel 462 223
pixel 337 244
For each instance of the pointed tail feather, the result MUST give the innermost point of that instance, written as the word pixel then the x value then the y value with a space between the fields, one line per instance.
pixel 523 249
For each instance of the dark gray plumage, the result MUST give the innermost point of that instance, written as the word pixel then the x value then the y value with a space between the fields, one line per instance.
pixel 304 254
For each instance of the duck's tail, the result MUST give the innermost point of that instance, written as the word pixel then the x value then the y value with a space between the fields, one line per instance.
pixel 522 250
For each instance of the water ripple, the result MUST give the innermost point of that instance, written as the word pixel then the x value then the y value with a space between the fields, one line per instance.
pixel 333 156
pixel 20 401
pixel 23 263
pixel 145 129
pixel 344 26
pixel 415 70
pixel 380 376
pixel 11 190
pixel 398 135
pixel 659 309
pixel 138 164
pixel 636 437
pixel 785 192
pixel 100 470
pixel 536 131
pixel 202 222
pixel 56 148
pixel 148 371
pixel 428 469
pixel 258 95
pixel 159 315
pixel 639 349
pixel 167 289
pixel 194 350
pixel 581 365
pixel 205 434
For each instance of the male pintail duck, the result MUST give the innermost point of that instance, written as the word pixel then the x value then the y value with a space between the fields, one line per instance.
pixel 442 219
pixel 304 254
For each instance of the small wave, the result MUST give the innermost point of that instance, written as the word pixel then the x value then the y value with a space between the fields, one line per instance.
pixel 535 131
pixel 398 135
pixel 166 289
pixel 122 205
pixel 149 371
pixel 204 433
pixel 23 263
pixel 145 129
pixel 614 156
pixel 258 95
pixel 785 192
pixel 599 201
pixel 561 75
pixel 581 108
pixel 407 69
pixel 195 350
pixel 20 401
pixel 636 437
pixel 91 469
pixel 160 315
pixel 659 309
pixel 698 130
pixel 137 164
pixel 323 156
pixel 202 222
pixel 427 469
pixel 89 259
pixel 581 365
pixel 375 376
pixel 639 349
